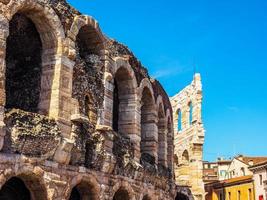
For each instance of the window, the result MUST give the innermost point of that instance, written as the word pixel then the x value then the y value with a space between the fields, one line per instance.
pixel 221 196
pixel 239 195
pixel 243 173
pixel 250 194
pixel 190 113
pixel 222 173
pixel 185 158
pixel 229 195
pixel 179 120
pixel 260 179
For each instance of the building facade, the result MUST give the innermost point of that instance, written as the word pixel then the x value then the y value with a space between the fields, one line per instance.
pixel 240 164
pixel 241 188
pixel 214 171
pixel 80 117
pixel 260 180
pixel 189 137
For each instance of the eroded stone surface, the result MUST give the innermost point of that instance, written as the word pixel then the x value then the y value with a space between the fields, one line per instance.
pixel 30 134
pixel 189 137
pixel 90 121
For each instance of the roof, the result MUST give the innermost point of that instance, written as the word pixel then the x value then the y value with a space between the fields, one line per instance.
pixel 259 165
pixel 231 182
pixel 237 179
pixel 255 160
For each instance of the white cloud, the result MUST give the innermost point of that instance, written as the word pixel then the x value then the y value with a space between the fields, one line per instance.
pixel 169 68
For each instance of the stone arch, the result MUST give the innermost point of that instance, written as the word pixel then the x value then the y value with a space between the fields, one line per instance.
pixel 149 136
pixel 185 158
pixel 124 98
pixel 145 83
pixel 170 140
pixel 184 193
pixel 51 34
pixel 88 90
pixel 162 133
pixel 123 191
pixel 181 196
pixel 30 184
pixel 91 30
pixel 83 187
pixel 88 40
pixel 148 195
pixel 177 118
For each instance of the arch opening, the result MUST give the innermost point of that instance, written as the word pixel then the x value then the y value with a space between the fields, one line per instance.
pixel 124 103
pixel 148 124
pixel 15 189
pixel 83 191
pixel 185 158
pixel 23 187
pixel 181 196
pixel 88 73
pixel 146 197
pixel 121 194
pixel 179 120
pixel 88 93
pixel 23 64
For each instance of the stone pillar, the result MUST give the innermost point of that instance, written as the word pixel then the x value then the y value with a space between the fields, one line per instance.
pixel 149 134
pixel 106 116
pixel 128 120
pixel 60 105
pixel 162 142
pixel 4 27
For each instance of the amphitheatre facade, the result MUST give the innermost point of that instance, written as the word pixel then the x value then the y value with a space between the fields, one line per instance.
pixel 80 118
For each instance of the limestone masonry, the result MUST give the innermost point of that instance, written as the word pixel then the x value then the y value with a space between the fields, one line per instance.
pixel 80 118
pixel 189 137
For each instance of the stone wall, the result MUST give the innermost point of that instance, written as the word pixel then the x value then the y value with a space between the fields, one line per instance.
pixel 79 114
pixel 189 137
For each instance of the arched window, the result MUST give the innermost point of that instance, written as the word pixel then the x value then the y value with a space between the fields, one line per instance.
pixel 121 194
pixel 243 171
pixel 23 64
pixel 179 122
pixel 124 97
pixel 14 189
pixel 87 87
pixel 84 190
pixel 185 158
pixel 190 113
pixel 181 196
pixel 146 197
pixel 24 187
pixel 148 123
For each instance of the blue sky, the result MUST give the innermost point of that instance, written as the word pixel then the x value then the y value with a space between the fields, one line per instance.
pixel 226 40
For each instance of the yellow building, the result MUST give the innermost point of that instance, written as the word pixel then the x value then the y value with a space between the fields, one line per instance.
pixel 241 188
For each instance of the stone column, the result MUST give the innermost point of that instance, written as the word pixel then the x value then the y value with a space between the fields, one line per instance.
pixel 60 106
pixel 162 142
pixel 149 129
pixel 4 27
